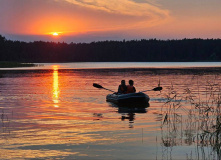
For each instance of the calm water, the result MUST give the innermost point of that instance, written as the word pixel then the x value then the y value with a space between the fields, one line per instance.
pixel 55 113
pixel 111 65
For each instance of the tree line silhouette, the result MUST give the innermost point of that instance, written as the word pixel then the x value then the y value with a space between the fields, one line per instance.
pixel 151 50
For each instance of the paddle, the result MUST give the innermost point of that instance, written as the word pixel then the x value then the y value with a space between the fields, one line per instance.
pixel 154 89
pixel 100 87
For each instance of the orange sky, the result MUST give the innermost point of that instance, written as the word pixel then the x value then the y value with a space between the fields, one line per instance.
pixel 85 20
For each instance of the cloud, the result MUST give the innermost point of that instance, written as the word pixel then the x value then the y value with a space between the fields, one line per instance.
pixel 125 7
pixel 71 17
pixel 141 12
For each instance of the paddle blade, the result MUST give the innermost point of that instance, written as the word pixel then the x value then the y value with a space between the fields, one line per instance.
pixel 157 89
pixel 97 85
pixel 159 83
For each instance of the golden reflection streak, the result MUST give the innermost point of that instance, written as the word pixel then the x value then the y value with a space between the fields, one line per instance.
pixel 55 87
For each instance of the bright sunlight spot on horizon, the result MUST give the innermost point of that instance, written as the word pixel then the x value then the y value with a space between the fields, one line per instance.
pixel 55 34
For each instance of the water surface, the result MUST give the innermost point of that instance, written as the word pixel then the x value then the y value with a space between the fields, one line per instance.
pixel 56 113
pixel 111 65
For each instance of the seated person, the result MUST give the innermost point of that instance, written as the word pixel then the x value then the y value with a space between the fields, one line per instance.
pixel 130 87
pixel 122 89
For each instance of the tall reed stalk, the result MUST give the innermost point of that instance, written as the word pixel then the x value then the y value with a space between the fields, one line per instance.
pixel 193 117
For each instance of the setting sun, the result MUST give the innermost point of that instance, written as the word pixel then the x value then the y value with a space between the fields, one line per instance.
pixel 55 34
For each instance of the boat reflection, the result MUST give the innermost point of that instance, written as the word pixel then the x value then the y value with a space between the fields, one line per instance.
pixel 55 91
pixel 128 111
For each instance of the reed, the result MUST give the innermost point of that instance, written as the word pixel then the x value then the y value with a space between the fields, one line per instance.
pixel 193 118
pixel 5 125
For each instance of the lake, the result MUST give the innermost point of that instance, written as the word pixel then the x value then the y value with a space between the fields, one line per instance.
pixel 52 111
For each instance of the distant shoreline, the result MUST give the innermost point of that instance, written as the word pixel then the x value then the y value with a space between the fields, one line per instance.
pixel 108 65
pixel 15 64
pixel 144 50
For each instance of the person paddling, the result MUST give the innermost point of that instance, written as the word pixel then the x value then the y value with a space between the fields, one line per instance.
pixel 122 89
pixel 130 87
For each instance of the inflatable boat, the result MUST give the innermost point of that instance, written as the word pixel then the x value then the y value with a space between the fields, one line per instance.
pixel 135 98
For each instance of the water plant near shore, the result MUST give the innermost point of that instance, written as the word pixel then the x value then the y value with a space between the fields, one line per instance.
pixel 193 118
pixel 4 125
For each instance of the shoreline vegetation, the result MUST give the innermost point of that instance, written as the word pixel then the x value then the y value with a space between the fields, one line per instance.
pixel 151 50
pixel 201 125
pixel 15 64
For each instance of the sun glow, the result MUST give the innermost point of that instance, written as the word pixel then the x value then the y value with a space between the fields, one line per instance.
pixel 55 33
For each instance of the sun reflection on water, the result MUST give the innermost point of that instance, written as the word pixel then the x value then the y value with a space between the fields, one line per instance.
pixel 85 126
pixel 55 87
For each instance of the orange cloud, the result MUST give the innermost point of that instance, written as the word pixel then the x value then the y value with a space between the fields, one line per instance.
pixel 141 14
pixel 125 7
pixel 77 16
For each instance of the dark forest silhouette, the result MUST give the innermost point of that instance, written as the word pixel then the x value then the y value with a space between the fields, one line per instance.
pixel 151 50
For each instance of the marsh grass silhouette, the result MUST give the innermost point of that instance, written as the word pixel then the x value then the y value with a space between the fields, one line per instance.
pixel 5 123
pixel 193 118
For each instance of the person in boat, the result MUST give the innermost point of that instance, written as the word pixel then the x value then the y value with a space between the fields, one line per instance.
pixel 130 87
pixel 122 89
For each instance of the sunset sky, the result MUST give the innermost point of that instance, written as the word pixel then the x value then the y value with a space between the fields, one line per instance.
pixel 94 20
